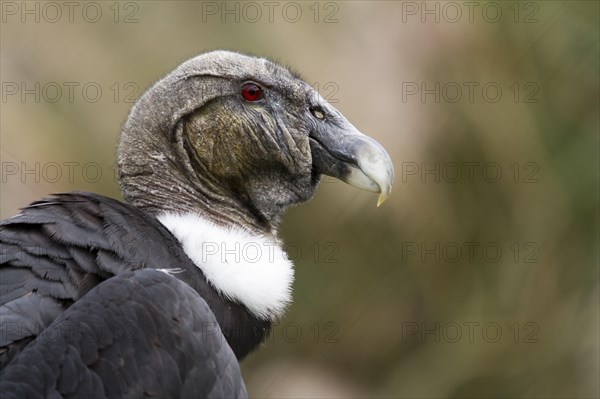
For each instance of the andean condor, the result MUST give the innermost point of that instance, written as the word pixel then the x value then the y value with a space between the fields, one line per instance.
pixel 145 298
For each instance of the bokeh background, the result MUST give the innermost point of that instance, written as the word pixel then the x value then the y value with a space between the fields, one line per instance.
pixel 478 278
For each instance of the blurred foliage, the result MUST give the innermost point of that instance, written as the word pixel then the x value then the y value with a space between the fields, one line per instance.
pixel 384 304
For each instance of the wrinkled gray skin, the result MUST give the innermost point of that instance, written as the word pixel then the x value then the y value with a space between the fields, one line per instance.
pixel 193 144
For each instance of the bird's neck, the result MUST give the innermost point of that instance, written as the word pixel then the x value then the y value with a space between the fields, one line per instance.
pixel 158 196
pixel 156 187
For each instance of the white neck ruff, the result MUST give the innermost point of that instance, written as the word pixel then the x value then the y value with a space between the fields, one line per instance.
pixel 246 268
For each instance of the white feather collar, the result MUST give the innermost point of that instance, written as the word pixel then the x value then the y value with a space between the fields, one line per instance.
pixel 246 268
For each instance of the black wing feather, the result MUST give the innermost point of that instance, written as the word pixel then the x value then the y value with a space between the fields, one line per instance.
pixel 119 341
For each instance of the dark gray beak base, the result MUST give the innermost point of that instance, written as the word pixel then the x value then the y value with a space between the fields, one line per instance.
pixel 341 151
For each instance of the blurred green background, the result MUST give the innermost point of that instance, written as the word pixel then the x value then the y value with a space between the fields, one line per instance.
pixel 479 276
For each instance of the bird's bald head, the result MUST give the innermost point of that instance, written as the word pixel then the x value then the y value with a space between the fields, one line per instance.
pixel 227 133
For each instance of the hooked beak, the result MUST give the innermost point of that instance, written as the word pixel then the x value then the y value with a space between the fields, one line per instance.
pixel 341 151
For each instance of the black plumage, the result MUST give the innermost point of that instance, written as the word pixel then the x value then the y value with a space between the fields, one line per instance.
pixel 119 333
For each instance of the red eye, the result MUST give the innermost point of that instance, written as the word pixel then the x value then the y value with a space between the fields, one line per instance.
pixel 252 92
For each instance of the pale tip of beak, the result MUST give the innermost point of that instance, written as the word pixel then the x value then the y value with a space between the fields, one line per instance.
pixel 382 197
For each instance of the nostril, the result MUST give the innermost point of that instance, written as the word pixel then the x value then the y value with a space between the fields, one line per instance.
pixel 317 112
